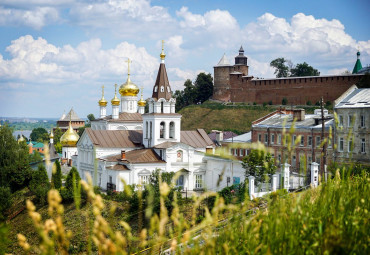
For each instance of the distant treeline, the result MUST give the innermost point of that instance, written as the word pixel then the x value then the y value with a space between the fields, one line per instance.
pixel 29 126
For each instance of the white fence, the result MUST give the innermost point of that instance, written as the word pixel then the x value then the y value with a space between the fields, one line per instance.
pixel 285 182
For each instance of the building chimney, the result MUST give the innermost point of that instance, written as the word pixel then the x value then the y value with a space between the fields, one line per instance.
pixel 123 155
pixel 219 136
pixel 299 114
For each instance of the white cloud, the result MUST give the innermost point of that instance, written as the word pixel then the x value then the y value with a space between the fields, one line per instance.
pixel 36 17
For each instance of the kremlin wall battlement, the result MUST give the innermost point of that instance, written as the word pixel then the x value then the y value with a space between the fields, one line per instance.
pixel 232 84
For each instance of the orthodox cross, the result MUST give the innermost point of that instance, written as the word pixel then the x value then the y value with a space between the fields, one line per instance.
pixel 128 65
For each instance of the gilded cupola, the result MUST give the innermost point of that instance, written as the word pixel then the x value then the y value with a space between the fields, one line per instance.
pixel 70 137
pixel 115 100
pixel 102 101
pixel 128 88
pixel 141 102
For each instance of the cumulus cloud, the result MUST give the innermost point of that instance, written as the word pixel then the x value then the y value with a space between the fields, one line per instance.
pixel 36 17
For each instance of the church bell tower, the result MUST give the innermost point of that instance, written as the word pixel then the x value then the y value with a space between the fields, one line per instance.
pixel 162 123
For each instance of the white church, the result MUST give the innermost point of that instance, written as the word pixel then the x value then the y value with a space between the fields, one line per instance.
pixel 130 143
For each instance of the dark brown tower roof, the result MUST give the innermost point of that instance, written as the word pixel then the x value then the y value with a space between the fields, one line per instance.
pixel 162 88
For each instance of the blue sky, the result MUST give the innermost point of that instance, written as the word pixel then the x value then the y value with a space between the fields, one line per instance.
pixel 56 54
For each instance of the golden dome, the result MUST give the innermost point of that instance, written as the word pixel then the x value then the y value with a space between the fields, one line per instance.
pixel 128 88
pixel 115 100
pixel 21 139
pixel 51 134
pixel 141 102
pixel 102 101
pixel 70 137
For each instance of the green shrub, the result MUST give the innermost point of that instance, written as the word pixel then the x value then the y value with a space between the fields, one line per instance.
pixel 56 177
pixel 284 101
pixel 5 201
pixel 40 184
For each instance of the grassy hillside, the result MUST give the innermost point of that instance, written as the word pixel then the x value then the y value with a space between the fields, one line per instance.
pixel 210 116
pixel 236 117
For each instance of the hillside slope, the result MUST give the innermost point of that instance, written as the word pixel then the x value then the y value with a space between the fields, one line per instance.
pixel 211 116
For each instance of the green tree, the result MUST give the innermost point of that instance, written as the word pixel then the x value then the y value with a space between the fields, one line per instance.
pixel 281 69
pixel 190 93
pixel 35 157
pixel 56 177
pixel 90 117
pixel 57 135
pixel 364 82
pixel 304 69
pixel 5 202
pixel 81 130
pixel 14 161
pixel 39 183
pixel 39 134
pixel 204 87
pixel 71 187
pixel 259 164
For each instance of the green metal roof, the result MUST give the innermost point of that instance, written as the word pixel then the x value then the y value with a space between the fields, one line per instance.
pixel 38 145
pixel 358 65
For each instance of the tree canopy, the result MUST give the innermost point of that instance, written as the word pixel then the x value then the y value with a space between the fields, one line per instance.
pixel 39 134
pixel 258 164
pixel 284 68
pixel 14 161
pixel 198 92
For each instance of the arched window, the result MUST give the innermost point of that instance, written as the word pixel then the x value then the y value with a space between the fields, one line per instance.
pixel 151 129
pixel 162 89
pixel 172 129
pixel 155 88
pixel 168 89
pixel 146 130
pixel 162 129
pixel 162 107
pixel 179 156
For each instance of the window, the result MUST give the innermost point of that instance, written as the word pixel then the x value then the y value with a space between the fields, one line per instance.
pixel 302 140
pixel 279 158
pixel 162 89
pixel 180 181
pixel 228 180
pixel 198 181
pixel 340 120
pixel 362 120
pixel 168 89
pixel 272 138
pixel 172 129
pixel 341 144
pixel 350 145
pixel 259 137
pixel 266 139
pixel 235 152
pixel 363 144
pixel 350 120
pixel 294 138
pixel 110 179
pixel 155 88
pixel 144 179
pixel 241 152
pixel 279 139
pixel 179 156
pixel 151 129
pixel 318 141
pixel 294 161
pixel 146 130
pixel 162 107
pixel 162 130
pixel 161 154
pixel 309 141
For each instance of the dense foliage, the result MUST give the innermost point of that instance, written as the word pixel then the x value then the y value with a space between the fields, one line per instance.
pixel 259 164
pixel 199 92
pixel 40 135
pixel 14 161
pixel 39 184
pixel 56 177
pixel 284 68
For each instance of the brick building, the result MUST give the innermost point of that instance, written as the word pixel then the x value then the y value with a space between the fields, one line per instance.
pixel 233 83
pixel 270 131
pixel 76 122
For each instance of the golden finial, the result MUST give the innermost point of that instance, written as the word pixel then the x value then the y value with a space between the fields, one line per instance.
pixel 128 66
pixel 142 102
pixel 162 55
pixel 102 101
pixel 115 100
